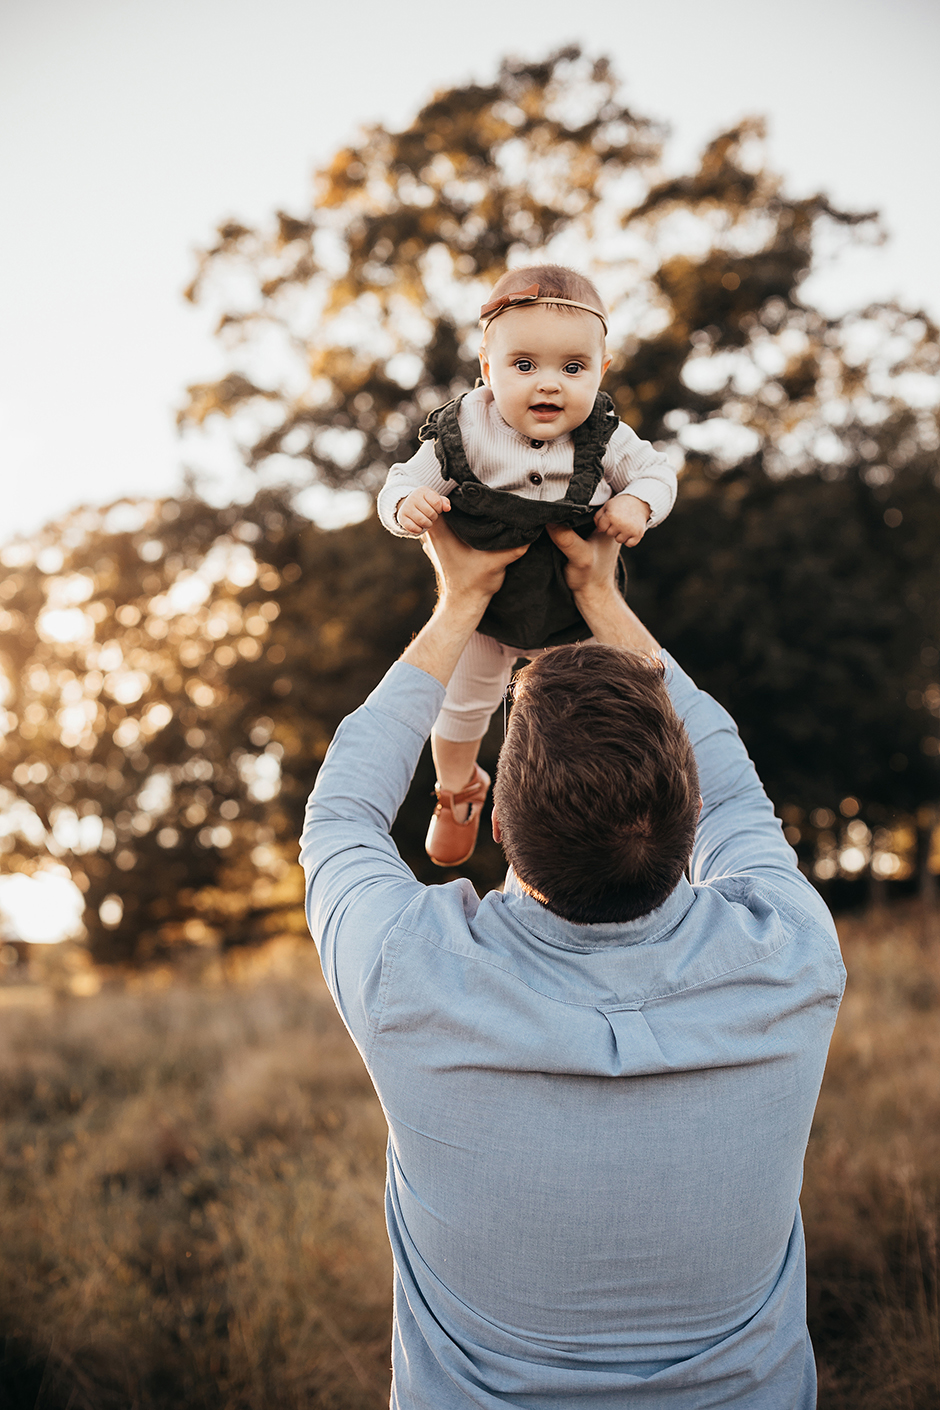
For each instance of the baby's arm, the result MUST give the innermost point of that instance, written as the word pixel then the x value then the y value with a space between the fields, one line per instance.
pixel 419 509
pixel 421 474
pixel 643 484
pixel 624 518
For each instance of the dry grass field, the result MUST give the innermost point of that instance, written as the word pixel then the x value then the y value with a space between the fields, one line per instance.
pixel 191 1177
pixel 191 1202
pixel 871 1192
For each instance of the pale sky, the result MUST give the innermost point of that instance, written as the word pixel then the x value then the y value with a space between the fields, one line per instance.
pixel 130 128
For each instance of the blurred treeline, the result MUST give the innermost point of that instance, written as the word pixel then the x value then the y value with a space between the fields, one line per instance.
pixel 175 671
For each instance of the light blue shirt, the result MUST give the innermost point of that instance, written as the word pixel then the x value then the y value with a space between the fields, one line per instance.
pixel 596 1133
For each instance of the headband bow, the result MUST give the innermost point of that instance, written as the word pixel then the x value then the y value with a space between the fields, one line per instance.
pixel 525 296
pixel 530 296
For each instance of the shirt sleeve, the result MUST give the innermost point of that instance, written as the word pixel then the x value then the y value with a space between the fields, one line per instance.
pixel 632 466
pixel 738 832
pixel 357 885
pixel 422 470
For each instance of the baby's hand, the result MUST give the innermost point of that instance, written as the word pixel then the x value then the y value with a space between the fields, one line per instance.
pixel 418 510
pixel 624 518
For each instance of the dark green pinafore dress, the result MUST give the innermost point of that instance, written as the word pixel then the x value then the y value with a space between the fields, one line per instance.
pixel 534 606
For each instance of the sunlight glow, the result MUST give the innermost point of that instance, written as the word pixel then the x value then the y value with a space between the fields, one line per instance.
pixel 18 816
pixel 852 859
pixel 66 624
pixel 42 909
pixel 126 687
pixel 111 911
pixel 262 774
pixel 332 509
pixel 720 437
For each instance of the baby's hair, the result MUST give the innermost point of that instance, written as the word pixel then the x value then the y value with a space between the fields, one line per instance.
pixel 552 279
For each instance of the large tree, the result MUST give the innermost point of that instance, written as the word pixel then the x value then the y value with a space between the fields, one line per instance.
pixel 171 690
pixel 161 743
pixel 799 573
pixel 351 320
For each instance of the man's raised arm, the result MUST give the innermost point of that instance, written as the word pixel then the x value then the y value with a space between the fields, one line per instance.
pixel 466 580
pixel 357 885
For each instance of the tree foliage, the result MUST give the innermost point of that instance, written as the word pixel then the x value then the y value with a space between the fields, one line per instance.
pixel 797 577
pixel 171 691
pixel 344 324
pixel 348 322
pixel 798 574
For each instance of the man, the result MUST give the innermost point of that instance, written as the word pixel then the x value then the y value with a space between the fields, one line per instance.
pixel 599 1083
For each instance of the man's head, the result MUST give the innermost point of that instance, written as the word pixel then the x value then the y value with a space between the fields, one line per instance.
pixel 596 796
pixel 544 361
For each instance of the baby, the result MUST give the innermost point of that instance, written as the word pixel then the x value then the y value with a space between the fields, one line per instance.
pixel 537 444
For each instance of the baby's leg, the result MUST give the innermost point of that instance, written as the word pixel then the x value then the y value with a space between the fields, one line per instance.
pixel 475 691
pixel 454 761
pixel 476 688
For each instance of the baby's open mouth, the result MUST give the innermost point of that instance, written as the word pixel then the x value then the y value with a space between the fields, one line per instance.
pixel 544 406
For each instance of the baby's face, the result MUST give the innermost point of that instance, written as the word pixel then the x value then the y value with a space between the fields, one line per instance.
pixel 544 366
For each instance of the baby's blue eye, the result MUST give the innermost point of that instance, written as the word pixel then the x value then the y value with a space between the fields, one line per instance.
pixel 524 365
pixel 572 368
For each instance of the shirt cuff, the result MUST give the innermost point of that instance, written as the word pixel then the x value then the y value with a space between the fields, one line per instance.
pixel 408 695
pixel 388 501
pixel 655 494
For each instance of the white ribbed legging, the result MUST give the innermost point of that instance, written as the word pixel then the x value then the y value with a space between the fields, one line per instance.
pixel 477 686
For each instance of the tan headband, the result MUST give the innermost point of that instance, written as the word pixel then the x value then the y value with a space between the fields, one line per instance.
pixel 530 297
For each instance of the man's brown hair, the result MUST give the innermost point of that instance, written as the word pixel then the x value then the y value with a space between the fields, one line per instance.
pixel 554 281
pixel 597 791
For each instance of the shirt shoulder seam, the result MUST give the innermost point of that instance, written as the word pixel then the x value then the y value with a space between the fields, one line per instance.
pixel 572 1003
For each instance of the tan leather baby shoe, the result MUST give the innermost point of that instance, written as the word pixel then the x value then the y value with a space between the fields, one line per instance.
pixel 450 842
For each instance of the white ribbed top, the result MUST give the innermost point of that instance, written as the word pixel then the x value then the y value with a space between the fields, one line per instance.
pixel 507 460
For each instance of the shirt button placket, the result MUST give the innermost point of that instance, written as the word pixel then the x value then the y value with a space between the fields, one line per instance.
pixel 535 477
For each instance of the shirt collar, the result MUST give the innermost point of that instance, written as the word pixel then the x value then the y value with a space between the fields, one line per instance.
pixel 566 935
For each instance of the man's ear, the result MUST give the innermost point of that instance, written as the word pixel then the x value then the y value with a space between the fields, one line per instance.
pixel 497 830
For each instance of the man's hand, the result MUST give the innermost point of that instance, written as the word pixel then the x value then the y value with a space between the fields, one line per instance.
pixel 592 563
pixel 466 580
pixel 464 574
pixel 419 510
pixel 624 518
pixel 590 574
